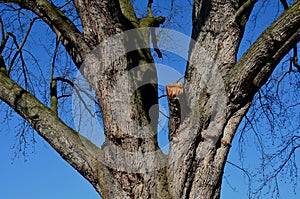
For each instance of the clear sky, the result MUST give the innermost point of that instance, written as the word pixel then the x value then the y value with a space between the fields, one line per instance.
pixel 45 175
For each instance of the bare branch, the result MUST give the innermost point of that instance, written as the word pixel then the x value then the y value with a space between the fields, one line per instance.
pixel 128 12
pixel 280 168
pixel 19 50
pixel 53 82
pixel 65 4
pixel 257 64
pixel 295 56
pixel 70 36
pixel 285 4
pixel 246 173
pixel 149 8
pixel 244 8
pixel 2 30
pixel 78 91
pixel 74 148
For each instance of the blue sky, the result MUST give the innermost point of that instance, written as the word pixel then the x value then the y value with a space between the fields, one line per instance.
pixel 45 175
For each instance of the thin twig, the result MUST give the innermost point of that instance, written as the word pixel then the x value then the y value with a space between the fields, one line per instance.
pixel 54 58
pixel 65 4
pixel 2 28
pixel 22 44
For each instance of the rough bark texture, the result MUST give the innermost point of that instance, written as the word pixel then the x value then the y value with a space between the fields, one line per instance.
pixel 130 163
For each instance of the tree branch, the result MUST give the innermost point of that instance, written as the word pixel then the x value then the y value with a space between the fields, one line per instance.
pixel 149 8
pixel 128 12
pixel 64 28
pixel 53 82
pixel 257 64
pixel 284 4
pixel 294 60
pixel 244 11
pixel 20 47
pixel 83 155
pixel 244 7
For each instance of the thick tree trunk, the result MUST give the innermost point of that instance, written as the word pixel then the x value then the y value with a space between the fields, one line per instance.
pixel 217 94
pixel 130 128
pixel 204 137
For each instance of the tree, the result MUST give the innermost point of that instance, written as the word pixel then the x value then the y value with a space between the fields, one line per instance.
pixel 216 95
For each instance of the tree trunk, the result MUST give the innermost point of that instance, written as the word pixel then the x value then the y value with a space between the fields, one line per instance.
pixel 217 94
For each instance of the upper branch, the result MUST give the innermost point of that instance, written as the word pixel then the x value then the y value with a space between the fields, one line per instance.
pixel 257 64
pixel 70 36
pixel 244 11
pixel 245 6
pixel 128 12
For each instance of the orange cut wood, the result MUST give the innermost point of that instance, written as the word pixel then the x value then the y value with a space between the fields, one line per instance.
pixel 174 89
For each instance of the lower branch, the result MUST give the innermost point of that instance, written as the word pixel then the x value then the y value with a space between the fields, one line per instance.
pixel 74 148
